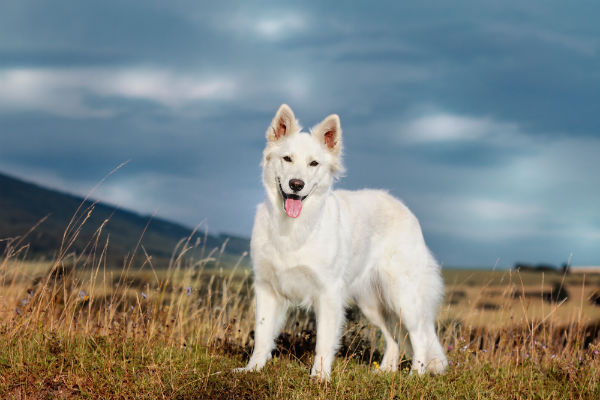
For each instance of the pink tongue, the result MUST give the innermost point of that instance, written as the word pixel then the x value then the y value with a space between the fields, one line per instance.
pixel 293 207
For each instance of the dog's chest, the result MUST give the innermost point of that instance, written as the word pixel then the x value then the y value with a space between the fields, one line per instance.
pixel 298 261
pixel 299 284
pixel 297 275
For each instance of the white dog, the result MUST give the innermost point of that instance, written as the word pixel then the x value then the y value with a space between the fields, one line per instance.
pixel 317 246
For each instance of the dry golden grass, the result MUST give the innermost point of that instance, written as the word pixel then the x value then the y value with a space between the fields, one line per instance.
pixel 497 299
pixel 73 327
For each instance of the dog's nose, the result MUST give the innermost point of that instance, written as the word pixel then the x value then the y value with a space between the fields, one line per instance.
pixel 296 184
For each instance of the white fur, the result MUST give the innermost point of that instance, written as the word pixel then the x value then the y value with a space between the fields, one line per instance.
pixel 363 245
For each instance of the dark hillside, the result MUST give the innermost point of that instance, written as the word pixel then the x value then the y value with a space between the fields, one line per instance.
pixel 23 204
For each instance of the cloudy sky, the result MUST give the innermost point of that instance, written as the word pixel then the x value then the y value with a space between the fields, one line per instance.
pixel 484 117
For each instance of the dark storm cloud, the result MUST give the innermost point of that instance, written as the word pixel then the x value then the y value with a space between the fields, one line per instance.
pixel 482 117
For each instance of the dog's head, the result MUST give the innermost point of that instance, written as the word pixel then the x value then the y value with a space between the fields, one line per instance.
pixel 299 167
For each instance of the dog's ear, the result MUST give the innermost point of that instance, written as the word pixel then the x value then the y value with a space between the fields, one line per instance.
pixel 283 124
pixel 329 133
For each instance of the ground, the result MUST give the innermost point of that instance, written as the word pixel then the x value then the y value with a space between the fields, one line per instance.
pixel 75 328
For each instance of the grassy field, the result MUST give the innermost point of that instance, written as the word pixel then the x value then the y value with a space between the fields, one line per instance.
pixel 75 328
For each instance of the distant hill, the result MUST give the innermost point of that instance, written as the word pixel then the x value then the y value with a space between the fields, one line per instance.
pixel 24 204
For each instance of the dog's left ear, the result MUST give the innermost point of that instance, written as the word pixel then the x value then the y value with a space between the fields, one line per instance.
pixel 329 133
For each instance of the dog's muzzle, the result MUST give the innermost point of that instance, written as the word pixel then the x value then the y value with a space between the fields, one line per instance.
pixel 292 203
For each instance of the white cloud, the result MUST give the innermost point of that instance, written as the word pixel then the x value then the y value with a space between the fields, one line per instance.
pixel 445 127
pixel 57 92
pixel 497 210
pixel 482 218
pixel 279 26
pixel 548 195
pixel 179 198
pixel 63 91
pixel 165 87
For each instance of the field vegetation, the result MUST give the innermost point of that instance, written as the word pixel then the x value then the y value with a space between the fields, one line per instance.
pixel 76 327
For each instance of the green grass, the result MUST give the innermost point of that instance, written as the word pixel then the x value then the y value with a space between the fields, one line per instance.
pixel 47 365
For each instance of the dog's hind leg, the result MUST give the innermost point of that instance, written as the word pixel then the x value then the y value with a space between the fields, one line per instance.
pixel 371 308
pixel 427 351
pixel 270 315
pixel 418 318
pixel 436 359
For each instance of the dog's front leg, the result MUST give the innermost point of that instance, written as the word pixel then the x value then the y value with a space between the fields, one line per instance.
pixel 329 309
pixel 270 314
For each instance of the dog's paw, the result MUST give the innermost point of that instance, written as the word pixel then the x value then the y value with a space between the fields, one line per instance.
pixel 317 379
pixel 383 368
pixel 387 365
pixel 437 366
pixel 254 364
pixel 319 375
pixel 417 368
pixel 248 368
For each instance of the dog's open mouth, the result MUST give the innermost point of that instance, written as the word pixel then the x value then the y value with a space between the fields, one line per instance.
pixel 292 203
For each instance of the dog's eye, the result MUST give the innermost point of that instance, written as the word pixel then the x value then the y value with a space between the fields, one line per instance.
pixel 287 158
pixel 314 163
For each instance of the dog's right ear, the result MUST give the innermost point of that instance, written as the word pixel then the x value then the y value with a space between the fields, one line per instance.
pixel 283 124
